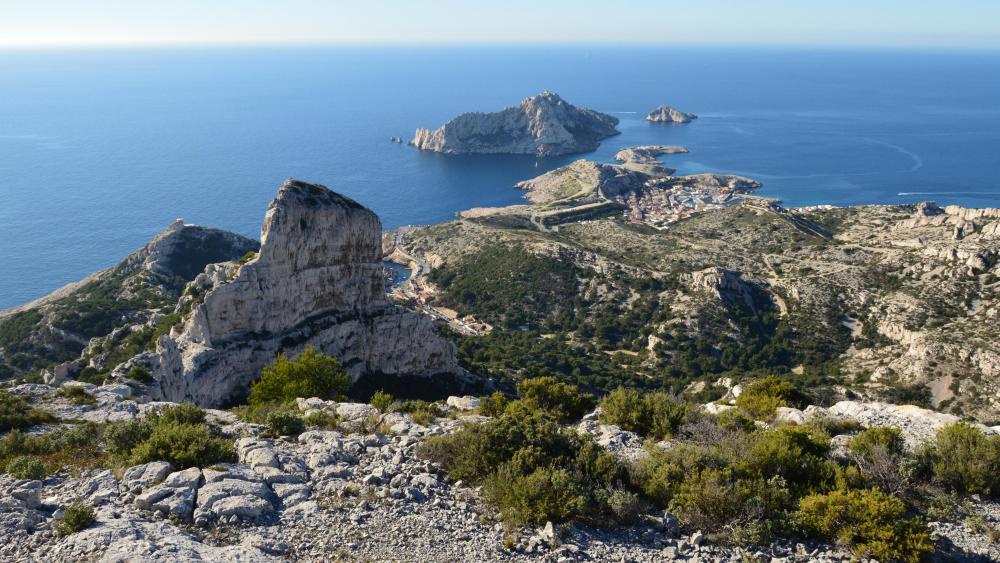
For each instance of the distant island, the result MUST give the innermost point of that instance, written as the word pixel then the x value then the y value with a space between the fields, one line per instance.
pixel 542 125
pixel 667 114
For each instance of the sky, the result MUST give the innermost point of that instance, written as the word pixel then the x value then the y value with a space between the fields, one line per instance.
pixel 849 23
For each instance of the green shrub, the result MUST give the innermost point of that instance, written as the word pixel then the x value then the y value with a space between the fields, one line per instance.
pixel 257 414
pixel 250 255
pixel 382 401
pixel 531 468
pixel 761 398
pixel 562 401
pixel 544 494
pixel 661 474
pixel 92 375
pixel 422 412
pixel 77 516
pixel 736 420
pixel 184 413
pixel 26 467
pixel 77 446
pixel 794 453
pixel 834 426
pixel 123 437
pixel 140 374
pixel 184 445
pixel 871 522
pixel 494 405
pixel 626 506
pixel 76 394
pixel 15 412
pixel 656 415
pixel 320 418
pixel 476 451
pixel 310 374
pixel 716 500
pixel 964 459
pixel 285 423
pixel 868 442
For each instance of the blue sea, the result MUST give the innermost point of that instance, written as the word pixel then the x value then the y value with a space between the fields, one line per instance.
pixel 102 149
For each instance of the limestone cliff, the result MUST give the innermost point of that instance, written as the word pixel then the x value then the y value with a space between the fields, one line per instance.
pixel 667 114
pixel 542 125
pixel 317 280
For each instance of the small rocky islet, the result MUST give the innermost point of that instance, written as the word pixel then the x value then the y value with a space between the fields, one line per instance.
pixel 897 303
pixel 668 114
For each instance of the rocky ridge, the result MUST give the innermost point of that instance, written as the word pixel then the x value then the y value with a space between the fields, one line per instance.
pixel 81 318
pixel 317 280
pixel 542 125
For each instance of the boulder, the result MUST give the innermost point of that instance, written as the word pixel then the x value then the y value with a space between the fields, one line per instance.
pixel 139 477
pixel 466 403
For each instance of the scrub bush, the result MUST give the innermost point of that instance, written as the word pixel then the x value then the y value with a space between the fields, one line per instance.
pixel 870 522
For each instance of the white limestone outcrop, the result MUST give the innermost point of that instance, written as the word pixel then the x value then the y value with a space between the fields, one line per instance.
pixel 316 281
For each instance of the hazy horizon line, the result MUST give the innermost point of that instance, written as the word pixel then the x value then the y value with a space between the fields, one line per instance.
pixel 487 44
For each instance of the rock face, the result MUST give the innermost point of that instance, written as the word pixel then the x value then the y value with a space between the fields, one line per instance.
pixel 543 125
pixel 667 114
pixel 316 281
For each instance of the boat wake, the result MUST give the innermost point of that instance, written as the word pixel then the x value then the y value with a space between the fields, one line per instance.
pixel 918 162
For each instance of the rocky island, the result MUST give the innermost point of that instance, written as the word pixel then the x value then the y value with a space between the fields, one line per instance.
pixel 542 125
pixel 667 114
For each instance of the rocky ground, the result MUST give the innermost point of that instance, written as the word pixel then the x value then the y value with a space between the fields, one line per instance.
pixel 355 493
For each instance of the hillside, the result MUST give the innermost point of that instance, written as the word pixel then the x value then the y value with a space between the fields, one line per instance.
pixel 882 301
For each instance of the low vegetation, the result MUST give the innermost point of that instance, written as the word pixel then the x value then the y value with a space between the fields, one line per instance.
pixel 963 459
pixel 871 523
pixel 72 446
pixel 310 374
pixel 656 415
pixel 16 413
pixel 738 482
pixel 284 423
pixel 177 434
pixel 25 467
pixel 761 398
pixel 76 517
pixel 76 394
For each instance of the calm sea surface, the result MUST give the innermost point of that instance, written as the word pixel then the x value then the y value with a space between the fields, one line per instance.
pixel 101 150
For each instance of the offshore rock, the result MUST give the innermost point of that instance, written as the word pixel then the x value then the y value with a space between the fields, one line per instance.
pixel 542 125
pixel 667 114
pixel 317 280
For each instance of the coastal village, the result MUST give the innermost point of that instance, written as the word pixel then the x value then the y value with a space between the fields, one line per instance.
pixel 666 200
